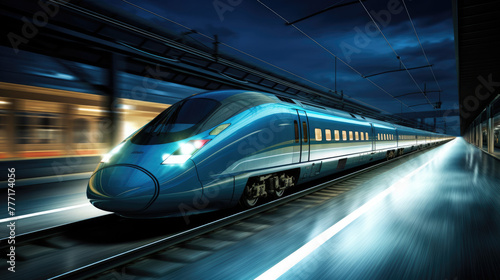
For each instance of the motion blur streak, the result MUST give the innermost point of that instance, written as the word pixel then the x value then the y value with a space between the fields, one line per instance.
pixel 44 212
pixel 283 266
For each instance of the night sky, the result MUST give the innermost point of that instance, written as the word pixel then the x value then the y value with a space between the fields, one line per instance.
pixel 347 32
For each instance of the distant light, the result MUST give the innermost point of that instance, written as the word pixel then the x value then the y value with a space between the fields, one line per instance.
pixel 90 110
pixel 125 107
pixel 64 76
pixel 56 75
pixel 4 102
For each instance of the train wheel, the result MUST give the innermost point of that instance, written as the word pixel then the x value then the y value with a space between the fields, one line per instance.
pixel 247 200
pixel 278 193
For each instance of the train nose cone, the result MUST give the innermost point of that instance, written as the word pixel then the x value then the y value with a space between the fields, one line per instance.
pixel 122 189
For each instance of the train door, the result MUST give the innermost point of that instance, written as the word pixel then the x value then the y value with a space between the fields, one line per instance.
pixel 304 136
pixel 374 137
pixel 297 140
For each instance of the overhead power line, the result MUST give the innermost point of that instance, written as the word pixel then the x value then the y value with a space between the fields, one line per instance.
pixel 395 53
pixel 259 59
pixel 416 34
pixel 331 53
pixel 193 31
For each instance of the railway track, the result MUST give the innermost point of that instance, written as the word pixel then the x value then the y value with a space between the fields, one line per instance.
pixel 160 252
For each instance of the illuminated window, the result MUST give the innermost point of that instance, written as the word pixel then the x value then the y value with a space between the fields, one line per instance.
pixel 362 136
pixel 318 134
pixel 39 128
pixel 3 127
pixel 356 135
pixel 344 135
pixel 304 131
pixel 366 136
pixel 378 137
pixel 337 135
pixel 81 131
pixel 297 137
pixel 350 135
pixel 328 135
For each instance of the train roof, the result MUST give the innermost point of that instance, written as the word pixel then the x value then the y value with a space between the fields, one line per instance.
pixel 241 100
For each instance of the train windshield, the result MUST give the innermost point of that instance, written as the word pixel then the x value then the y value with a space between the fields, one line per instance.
pixel 178 122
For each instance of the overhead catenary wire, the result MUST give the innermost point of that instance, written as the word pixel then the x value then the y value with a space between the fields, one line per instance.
pixel 261 60
pixel 224 44
pixel 418 39
pixel 334 55
pixel 395 53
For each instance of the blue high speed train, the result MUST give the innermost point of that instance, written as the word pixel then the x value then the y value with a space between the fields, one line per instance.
pixel 216 149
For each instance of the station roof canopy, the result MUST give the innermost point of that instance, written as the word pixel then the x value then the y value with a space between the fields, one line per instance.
pixel 477 44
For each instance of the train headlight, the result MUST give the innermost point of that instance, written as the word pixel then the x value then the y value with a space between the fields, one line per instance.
pixel 184 152
pixel 115 150
pixel 187 148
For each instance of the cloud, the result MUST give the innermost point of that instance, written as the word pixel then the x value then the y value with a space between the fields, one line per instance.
pixel 252 28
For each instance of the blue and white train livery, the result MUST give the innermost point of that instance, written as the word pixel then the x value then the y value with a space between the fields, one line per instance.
pixel 216 149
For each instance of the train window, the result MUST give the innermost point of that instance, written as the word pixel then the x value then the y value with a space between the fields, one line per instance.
pixel 344 135
pixel 328 135
pixel 350 135
pixel 36 128
pixel 362 136
pixel 296 126
pixel 378 136
pixel 81 131
pixel 318 134
pixel 219 129
pixel 366 136
pixel 304 131
pixel 356 135
pixel 337 135
pixel 3 126
pixel 179 121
